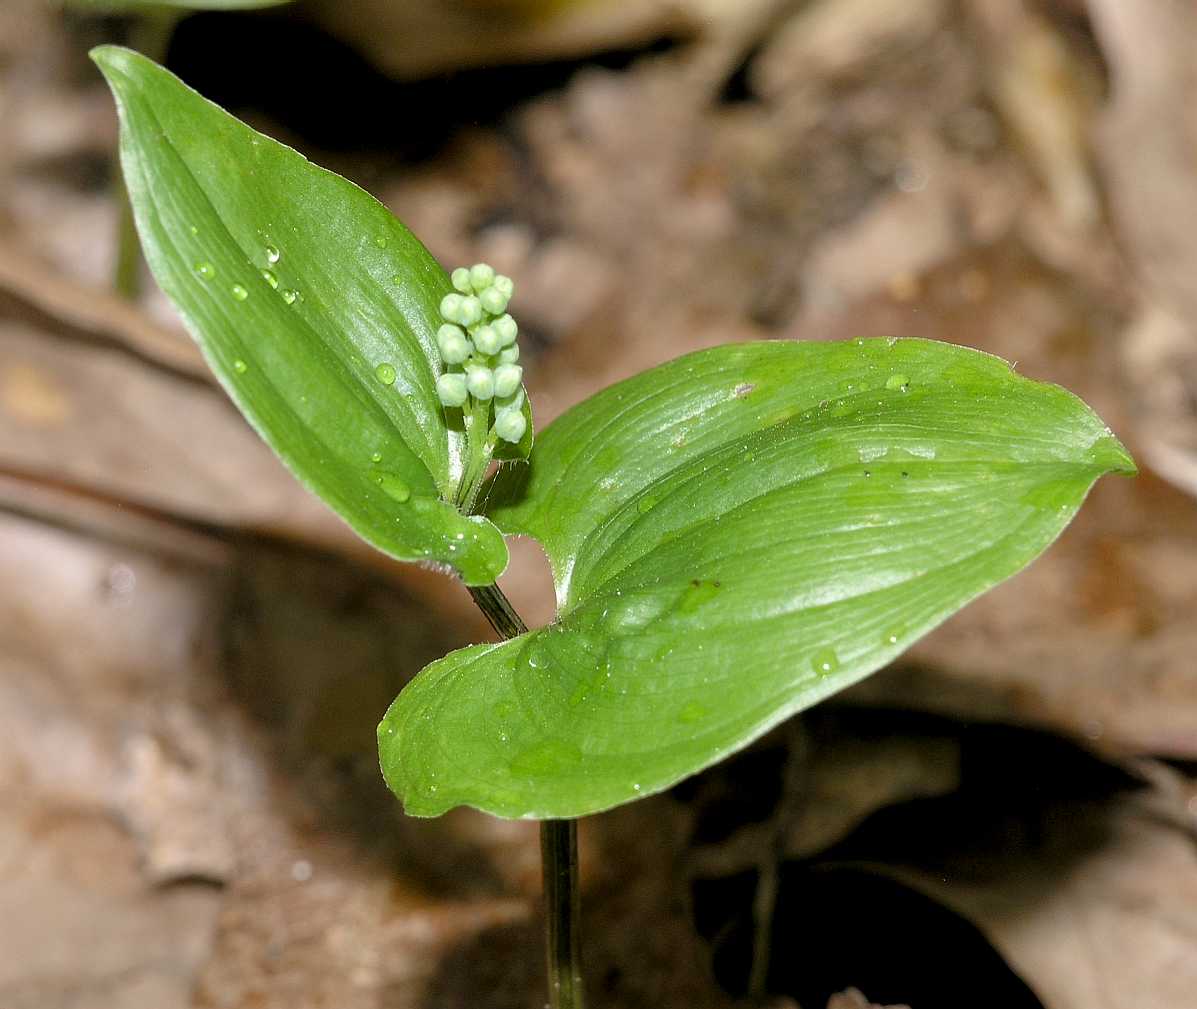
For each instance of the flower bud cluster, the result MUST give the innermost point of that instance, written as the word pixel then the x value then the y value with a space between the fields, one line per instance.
pixel 478 348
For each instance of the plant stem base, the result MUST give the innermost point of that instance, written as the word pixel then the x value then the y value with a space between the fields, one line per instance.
pixel 559 859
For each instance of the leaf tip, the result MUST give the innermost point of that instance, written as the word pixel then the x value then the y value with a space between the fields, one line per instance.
pixel 110 57
pixel 1109 453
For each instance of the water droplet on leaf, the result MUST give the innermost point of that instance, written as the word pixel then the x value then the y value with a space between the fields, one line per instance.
pixel 270 278
pixel 385 373
pixel 697 593
pixel 240 366
pixel 290 297
pixel 205 270
pixel 825 662
pixel 239 292
pixel 393 486
pixel 895 382
pixel 272 255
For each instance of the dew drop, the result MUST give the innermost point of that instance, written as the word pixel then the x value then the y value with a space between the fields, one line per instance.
pixel 825 662
pixel 270 278
pixel 397 279
pixel 646 504
pixel 381 241
pixel 194 230
pixel 897 382
pixel 240 367
pixel 376 457
pixel 635 786
pixel 205 270
pixel 691 713
pixel 239 292
pixel 385 373
pixel 272 255
pixel 891 636
pixel 392 486
pixel 697 593
pixel 290 297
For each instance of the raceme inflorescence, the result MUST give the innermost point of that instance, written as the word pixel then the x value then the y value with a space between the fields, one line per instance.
pixel 478 348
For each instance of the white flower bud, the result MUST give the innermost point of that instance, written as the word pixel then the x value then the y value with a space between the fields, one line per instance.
pixel 510 425
pixel 509 355
pixel 451 388
pixel 451 307
pixel 512 402
pixel 494 301
pixel 470 311
pixel 481 383
pixel 481 276
pixel 453 345
pixel 507 379
pixel 507 329
pixel 461 280
pixel 504 285
pixel 486 339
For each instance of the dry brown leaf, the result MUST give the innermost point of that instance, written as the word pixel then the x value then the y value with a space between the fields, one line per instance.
pixel 1105 915
pixel 1148 148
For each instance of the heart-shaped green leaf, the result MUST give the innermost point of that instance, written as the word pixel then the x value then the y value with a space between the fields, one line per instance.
pixel 315 308
pixel 735 536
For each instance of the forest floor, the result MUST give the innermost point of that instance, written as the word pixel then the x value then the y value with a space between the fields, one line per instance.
pixel 194 653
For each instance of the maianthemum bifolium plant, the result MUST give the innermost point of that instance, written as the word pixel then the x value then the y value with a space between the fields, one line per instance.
pixel 734 535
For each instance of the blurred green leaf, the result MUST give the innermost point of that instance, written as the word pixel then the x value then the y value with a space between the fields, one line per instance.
pixel 735 536
pixel 315 308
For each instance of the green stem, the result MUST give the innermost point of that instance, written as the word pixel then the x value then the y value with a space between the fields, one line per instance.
pixel 559 868
pixel 498 610
pixel 126 276
pixel 479 449
pixel 558 852
pixel 150 35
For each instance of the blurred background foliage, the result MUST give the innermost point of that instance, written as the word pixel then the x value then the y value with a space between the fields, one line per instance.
pixel 193 653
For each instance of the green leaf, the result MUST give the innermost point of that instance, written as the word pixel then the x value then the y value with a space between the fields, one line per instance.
pixel 735 536
pixel 316 309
